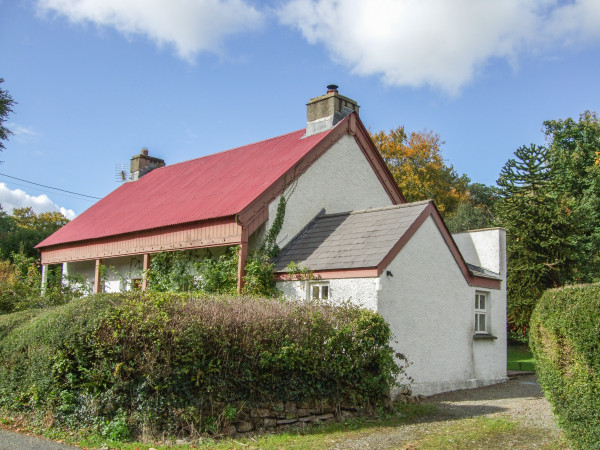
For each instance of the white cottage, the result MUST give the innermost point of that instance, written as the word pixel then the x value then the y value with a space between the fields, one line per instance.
pixel 448 316
pixel 346 220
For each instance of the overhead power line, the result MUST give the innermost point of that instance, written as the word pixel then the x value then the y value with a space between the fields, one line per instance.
pixel 49 187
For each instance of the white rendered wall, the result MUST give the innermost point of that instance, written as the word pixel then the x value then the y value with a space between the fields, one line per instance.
pixel 430 308
pixel 85 269
pixel 340 180
pixel 120 272
pixel 487 248
pixel 358 291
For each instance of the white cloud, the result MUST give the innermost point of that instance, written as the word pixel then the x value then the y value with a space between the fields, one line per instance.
pixel 21 133
pixel 191 26
pixel 440 43
pixel 19 130
pixel 17 198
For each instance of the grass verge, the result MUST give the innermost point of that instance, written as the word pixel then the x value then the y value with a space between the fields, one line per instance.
pixel 467 433
pixel 485 433
pixel 519 357
pixel 310 437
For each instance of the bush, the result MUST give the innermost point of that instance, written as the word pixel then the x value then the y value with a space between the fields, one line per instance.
pixel 20 285
pixel 170 363
pixel 565 340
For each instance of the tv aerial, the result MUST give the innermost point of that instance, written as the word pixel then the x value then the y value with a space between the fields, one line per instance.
pixel 122 174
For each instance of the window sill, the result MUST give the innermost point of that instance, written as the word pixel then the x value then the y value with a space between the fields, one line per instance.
pixel 484 336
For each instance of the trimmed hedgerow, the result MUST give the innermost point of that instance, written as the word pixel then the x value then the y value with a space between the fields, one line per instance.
pixel 158 362
pixel 565 340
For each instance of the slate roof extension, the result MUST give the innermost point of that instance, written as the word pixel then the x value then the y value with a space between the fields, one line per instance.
pixel 362 239
pixel 351 240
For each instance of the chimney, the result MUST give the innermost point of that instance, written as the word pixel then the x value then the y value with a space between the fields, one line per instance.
pixel 322 113
pixel 142 164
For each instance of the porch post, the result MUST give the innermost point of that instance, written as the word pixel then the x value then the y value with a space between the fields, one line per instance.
pixel 44 278
pixel 97 280
pixel 243 256
pixel 145 268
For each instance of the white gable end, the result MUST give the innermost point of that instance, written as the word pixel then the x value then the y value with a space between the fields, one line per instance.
pixel 430 308
pixel 341 180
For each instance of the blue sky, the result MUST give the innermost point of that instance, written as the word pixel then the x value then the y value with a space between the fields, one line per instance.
pixel 96 81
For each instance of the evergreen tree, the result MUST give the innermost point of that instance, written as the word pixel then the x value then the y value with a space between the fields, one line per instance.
pixel 6 104
pixel 575 161
pixel 539 242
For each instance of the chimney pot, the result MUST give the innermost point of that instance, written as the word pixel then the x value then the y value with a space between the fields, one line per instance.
pixel 332 89
pixel 144 151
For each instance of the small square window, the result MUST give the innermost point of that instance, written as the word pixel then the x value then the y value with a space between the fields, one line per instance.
pixel 319 291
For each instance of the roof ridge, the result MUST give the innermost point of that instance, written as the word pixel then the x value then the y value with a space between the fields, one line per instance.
pixel 381 208
pixel 235 148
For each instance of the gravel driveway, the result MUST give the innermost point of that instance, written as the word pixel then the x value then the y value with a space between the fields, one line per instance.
pixel 520 399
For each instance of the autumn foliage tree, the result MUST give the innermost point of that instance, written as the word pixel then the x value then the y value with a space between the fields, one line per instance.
pixel 415 160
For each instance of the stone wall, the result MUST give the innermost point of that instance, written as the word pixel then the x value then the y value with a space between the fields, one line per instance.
pixel 279 416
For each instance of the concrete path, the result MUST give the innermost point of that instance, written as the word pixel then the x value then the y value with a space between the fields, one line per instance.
pixel 12 440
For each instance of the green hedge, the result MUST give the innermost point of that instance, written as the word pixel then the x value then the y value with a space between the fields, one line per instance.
pixel 169 363
pixel 565 340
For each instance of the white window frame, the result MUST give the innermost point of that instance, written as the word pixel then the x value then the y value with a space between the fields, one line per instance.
pixel 482 312
pixel 323 288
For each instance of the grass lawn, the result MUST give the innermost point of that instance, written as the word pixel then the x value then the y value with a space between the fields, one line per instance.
pixel 520 358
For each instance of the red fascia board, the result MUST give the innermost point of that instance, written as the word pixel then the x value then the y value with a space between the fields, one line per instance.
pixel 432 211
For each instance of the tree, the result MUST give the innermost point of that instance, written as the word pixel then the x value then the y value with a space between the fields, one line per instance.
pixel 575 161
pixel 418 168
pixel 476 212
pixel 539 228
pixel 46 222
pixel 22 231
pixel 468 216
pixel 6 104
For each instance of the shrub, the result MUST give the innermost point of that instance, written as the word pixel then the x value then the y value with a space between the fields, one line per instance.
pixel 565 340
pixel 20 285
pixel 171 363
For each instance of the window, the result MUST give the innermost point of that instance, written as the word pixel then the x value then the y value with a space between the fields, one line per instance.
pixel 319 291
pixel 481 317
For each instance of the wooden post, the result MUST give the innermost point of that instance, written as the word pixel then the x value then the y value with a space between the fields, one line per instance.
pixel 44 278
pixel 145 268
pixel 97 280
pixel 242 257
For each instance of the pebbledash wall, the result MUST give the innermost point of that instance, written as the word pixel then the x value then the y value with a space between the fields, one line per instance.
pixel 340 180
pixel 431 308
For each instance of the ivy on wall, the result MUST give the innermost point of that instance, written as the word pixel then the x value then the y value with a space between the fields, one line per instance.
pixel 202 271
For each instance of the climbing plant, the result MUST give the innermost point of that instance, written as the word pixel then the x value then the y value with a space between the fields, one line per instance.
pixel 259 266
pixel 202 271
pixel 194 271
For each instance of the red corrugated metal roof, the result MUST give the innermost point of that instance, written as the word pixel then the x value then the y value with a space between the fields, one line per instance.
pixel 218 185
